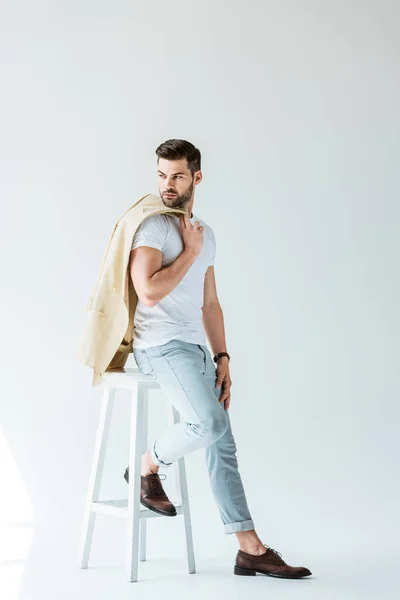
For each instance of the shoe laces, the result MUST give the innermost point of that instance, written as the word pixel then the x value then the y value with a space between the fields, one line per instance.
pixel 155 482
pixel 275 551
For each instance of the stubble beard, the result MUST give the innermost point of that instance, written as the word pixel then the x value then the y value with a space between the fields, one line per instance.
pixel 181 201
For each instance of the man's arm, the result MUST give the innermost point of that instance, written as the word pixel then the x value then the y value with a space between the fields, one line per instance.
pixel 152 282
pixel 213 319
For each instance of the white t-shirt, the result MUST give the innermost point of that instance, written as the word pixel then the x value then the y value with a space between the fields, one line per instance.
pixel 178 315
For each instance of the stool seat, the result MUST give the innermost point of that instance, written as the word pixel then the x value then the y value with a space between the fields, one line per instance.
pixel 127 378
pixel 136 514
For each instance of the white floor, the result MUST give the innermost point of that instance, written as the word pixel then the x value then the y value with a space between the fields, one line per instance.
pixel 49 576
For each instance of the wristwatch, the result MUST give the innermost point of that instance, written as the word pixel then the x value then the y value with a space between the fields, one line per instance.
pixel 217 356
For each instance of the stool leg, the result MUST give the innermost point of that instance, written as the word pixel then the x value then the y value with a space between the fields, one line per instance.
pixel 135 446
pixel 95 475
pixel 145 439
pixel 181 484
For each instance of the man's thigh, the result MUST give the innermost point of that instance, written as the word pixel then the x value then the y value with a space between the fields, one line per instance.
pixel 186 376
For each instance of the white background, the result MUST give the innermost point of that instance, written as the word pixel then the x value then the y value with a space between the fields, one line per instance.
pixel 295 108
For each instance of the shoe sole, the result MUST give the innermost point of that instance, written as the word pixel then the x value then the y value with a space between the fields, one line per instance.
pixel 160 512
pixel 253 572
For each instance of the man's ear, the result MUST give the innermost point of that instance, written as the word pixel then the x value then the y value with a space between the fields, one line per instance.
pixel 198 176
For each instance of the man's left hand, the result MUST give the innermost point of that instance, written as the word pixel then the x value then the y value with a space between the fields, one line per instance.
pixel 224 382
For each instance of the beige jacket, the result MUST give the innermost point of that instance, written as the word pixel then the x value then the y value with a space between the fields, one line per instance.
pixel 108 336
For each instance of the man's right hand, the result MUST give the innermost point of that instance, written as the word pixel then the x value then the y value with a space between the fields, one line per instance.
pixel 192 235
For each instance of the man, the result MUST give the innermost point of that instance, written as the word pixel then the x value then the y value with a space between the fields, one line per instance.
pixel 171 265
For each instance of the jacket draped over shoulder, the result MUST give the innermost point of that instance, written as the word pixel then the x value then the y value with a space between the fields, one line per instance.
pixel 108 336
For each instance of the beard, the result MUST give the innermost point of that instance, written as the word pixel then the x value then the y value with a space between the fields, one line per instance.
pixel 180 201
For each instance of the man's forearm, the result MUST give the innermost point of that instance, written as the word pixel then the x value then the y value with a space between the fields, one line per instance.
pixel 213 321
pixel 167 278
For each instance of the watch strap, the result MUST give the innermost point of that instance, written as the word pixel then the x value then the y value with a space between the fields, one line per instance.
pixel 217 356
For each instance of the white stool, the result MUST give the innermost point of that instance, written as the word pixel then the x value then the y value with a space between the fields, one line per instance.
pixel 131 508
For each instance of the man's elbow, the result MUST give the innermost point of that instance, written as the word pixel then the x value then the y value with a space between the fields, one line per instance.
pixel 151 303
pixel 145 297
pixel 144 293
pixel 211 305
pixel 147 300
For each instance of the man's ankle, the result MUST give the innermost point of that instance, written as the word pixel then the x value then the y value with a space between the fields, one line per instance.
pixel 148 467
pixel 254 550
pixel 146 472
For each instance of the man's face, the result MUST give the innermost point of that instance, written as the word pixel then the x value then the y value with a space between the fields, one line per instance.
pixel 175 178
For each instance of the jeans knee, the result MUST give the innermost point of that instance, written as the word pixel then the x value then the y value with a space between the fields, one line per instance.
pixel 213 428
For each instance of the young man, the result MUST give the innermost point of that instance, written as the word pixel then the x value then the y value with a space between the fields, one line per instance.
pixel 171 266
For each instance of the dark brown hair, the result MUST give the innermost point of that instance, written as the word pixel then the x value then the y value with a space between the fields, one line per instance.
pixel 177 149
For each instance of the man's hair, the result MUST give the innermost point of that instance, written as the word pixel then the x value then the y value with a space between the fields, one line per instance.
pixel 177 149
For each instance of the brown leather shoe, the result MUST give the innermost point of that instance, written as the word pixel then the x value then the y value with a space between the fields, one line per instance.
pixel 152 494
pixel 269 563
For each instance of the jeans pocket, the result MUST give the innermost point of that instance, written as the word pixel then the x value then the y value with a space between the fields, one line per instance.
pixel 143 363
pixel 210 365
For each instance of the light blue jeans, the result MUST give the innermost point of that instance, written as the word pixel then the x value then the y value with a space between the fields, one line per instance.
pixel 186 374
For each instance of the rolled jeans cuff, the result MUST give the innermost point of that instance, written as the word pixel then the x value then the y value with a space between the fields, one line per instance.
pixel 155 458
pixel 239 526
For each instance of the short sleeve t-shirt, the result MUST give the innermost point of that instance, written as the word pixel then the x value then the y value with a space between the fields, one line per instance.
pixel 178 315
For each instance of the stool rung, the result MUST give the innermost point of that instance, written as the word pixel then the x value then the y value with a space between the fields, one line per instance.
pixel 119 508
